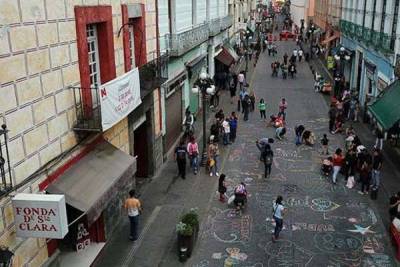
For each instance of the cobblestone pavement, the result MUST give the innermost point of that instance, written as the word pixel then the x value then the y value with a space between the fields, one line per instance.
pixel 326 225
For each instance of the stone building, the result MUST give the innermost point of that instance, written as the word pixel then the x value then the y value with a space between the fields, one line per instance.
pixel 54 56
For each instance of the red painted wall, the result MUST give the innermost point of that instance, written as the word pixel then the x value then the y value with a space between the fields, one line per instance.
pixel 139 30
pixel 102 16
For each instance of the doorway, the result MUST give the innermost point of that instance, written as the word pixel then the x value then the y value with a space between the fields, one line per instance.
pixel 141 150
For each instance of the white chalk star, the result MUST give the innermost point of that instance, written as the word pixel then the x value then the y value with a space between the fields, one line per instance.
pixel 361 230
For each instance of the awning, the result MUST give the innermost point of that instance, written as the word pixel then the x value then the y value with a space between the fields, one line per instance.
pixel 195 61
pixel 227 56
pixel 331 38
pixel 94 180
pixel 386 109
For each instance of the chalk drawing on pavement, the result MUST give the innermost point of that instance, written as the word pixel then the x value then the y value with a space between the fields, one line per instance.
pixel 323 205
pixel 372 245
pixel 337 243
pixel 312 227
pixel 287 253
pixel 361 230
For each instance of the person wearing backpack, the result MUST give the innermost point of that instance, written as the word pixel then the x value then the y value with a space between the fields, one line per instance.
pixel 193 152
pixel 267 157
pixel 180 157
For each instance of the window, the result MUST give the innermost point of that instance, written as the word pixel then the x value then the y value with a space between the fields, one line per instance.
pixel 373 15
pixel 94 62
pixel 383 16
pixel 394 25
pixel 132 46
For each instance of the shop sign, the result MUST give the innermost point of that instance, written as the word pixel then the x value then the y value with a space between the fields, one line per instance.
pixel 82 237
pixel 39 215
pixel 119 97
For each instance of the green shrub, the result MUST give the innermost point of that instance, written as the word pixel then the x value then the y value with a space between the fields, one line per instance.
pixel 191 218
pixel 184 229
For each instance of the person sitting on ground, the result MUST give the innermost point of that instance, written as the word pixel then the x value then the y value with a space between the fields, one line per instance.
pixel 327 165
pixel 240 195
pixel 272 120
pixel 279 122
pixel 350 131
pixel 338 125
pixel 308 138
pixel 280 132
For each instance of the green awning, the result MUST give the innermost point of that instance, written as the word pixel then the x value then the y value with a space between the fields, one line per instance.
pixel 386 109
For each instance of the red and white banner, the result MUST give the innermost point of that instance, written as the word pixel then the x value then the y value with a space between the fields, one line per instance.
pixel 119 97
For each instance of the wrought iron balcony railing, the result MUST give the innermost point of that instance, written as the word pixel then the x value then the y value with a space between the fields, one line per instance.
pixel 5 166
pixel 381 42
pixel 214 26
pixel 153 74
pixel 180 43
pixel 226 22
pixel 87 100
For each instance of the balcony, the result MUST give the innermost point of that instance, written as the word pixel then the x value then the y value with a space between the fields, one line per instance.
pixel 226 22
pixel 153 74
pixel 180 43
pixel 379 41
pixel 87 100
pixel 214 27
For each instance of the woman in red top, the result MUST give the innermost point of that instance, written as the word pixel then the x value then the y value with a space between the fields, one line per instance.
pixel 337 164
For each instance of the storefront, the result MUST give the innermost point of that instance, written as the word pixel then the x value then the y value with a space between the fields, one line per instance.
pixel 174 109
pixel 194 68
pixel 93 192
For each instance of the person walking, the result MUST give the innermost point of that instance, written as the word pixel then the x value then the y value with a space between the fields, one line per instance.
pixel 262 107
pixel 180 157
pixel 325 143
pixel 246 104
pixel 233 123
pixel 332 118
pixel 300 54
pixel 213 156
pixel 282 108
pixel 337 164
pixel 365 177
pixel 285 59
pixel 253 100
pixel 193 152
pixel 267 157
pixel 226 128
pixel 241 80
pixel 221 187
pixel 379 139
pixel 278 211
pixel 376 169
pixel 133 208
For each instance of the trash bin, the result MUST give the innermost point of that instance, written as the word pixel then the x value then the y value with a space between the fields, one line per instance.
pixel 183 254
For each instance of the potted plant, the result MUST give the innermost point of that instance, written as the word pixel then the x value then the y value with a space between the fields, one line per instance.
pixel 188 230
pixel 185 240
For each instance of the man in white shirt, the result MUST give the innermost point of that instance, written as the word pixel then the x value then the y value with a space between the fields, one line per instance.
pixel 300 54
pixel 241 80
pixel 295 52
pixel 227 130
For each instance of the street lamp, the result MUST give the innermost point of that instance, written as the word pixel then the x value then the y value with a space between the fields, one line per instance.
pixel 204 86
pixel 247 51
pixel 341 57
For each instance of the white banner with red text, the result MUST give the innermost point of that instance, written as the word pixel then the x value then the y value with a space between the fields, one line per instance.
pixel 119 97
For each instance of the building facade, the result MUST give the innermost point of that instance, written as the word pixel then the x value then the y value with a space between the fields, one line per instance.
pixel 369 30
pixel 58 53
pixel 192 32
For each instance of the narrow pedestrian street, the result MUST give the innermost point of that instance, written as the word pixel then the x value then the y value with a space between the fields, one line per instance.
pixel 325 225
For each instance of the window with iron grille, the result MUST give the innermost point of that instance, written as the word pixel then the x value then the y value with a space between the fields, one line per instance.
pixel 94 62
pixel 132 46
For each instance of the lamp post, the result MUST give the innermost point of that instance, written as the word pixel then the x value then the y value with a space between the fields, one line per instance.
pixel 247 51
pixel 204 86
pixel 311 32
pixel 5 161
pixel 341 58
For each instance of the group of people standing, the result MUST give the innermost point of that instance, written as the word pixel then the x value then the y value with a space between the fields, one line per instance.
pixel 288 65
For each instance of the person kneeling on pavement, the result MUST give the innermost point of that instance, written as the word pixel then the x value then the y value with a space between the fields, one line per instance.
pixel 240 195
pixel 280 132
pixel 308 138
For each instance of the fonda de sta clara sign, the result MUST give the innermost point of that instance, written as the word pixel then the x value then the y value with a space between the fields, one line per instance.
pixel 39 215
